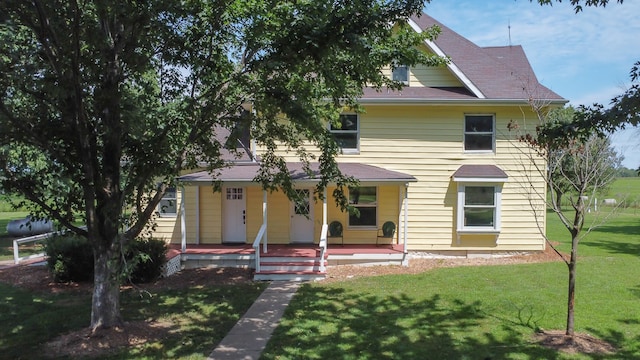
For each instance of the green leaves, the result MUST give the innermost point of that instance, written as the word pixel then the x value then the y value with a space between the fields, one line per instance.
pixel 117 95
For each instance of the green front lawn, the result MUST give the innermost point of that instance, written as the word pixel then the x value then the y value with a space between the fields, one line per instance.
pixel 450 313
pixel 473 313
pixel 199 317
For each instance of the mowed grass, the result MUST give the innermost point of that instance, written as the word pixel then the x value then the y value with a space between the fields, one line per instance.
pixel 198 318
pixel 473 312
pixel 626 190
pixel 627 186
pixel 455 313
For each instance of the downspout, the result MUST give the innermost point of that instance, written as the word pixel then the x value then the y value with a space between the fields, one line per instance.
pixel 406 220
pixel 183 222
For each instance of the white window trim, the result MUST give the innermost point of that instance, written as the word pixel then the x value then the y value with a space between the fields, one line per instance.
pixel 497 224
pixel 493 135
pixel 405 82
pixel 349 151
pixel 162 213
pixel 366 227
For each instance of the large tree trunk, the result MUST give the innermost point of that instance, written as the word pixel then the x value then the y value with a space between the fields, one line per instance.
pixel 105 305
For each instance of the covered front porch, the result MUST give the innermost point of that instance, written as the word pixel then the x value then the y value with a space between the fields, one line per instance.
pixel 244 225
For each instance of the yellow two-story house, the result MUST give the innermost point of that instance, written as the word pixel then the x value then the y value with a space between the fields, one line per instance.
pixel 439 172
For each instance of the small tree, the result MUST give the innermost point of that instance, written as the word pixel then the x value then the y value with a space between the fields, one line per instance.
pixel 575 138
pixel 575 167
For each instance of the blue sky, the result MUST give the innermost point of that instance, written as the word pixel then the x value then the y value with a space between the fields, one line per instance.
pixel 584 57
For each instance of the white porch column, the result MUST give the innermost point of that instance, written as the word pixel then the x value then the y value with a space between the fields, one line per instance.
pixel 406 217
pixel 324 207
pixel 183 221
pixel 264 219
pixel 197 214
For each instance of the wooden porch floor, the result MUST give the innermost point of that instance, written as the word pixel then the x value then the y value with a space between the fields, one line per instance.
pixel 288 250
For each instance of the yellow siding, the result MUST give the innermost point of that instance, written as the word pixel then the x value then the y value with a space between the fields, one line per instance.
pixel 278 218
pixel 168 227
pixel 254 212
pixel 210 217
pixel 427 142
pixel 423 141
pixel 421 76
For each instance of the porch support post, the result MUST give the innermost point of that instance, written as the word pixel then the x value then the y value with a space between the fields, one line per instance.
pixel 406 217
pixel 324 207
pixel 264 220
pixel 197 215
pixel 183 222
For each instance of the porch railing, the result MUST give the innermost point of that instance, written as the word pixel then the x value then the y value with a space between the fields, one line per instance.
pixel 256 245
pixel 323 246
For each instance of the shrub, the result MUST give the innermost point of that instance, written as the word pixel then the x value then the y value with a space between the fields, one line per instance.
pixel 146 259
pixel 70 258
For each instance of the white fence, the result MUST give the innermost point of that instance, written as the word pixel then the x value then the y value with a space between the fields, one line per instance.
pixel 16 244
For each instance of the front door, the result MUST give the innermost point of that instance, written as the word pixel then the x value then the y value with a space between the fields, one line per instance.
pixel 302 218
pixel 234 229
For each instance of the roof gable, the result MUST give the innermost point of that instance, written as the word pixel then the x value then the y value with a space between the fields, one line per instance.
pixel 498 72
pixel 493 73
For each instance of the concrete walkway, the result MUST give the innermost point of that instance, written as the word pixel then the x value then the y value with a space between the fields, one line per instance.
pixel 250 335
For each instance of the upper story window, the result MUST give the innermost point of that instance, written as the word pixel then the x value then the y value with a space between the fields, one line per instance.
pixel 168 206
pixel 401 74
pixel 365 199
pixel 347 132
pixel 479 133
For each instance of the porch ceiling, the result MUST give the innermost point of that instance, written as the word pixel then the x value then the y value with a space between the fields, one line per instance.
pixel 246 172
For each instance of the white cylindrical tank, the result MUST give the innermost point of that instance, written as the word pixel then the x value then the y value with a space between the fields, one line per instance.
pixel 29 226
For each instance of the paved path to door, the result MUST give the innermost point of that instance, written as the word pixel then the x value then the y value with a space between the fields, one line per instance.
pixel 250 335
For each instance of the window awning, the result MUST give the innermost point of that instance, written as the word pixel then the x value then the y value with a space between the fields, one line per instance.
pixel 246 172
pixel 479 173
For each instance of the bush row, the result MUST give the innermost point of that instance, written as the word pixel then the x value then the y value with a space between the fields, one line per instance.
pixel 70 258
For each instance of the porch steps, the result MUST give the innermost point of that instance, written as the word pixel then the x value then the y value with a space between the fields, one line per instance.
pixel 290 268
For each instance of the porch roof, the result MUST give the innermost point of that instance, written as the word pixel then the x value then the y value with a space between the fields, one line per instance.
pixel 246 172
pixel 479 173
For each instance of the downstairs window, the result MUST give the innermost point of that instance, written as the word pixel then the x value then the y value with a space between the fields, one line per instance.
pixel 365 199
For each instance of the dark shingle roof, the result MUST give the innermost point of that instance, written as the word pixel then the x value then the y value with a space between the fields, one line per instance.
pixel 247 172
pixel 499 73
pixel 487 172
pixel 241 146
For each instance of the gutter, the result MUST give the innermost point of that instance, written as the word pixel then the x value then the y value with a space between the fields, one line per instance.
pixel 474 102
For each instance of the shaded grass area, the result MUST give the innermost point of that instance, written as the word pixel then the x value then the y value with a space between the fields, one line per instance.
pixel 29 319
pixel 199 317
pixel 473 312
